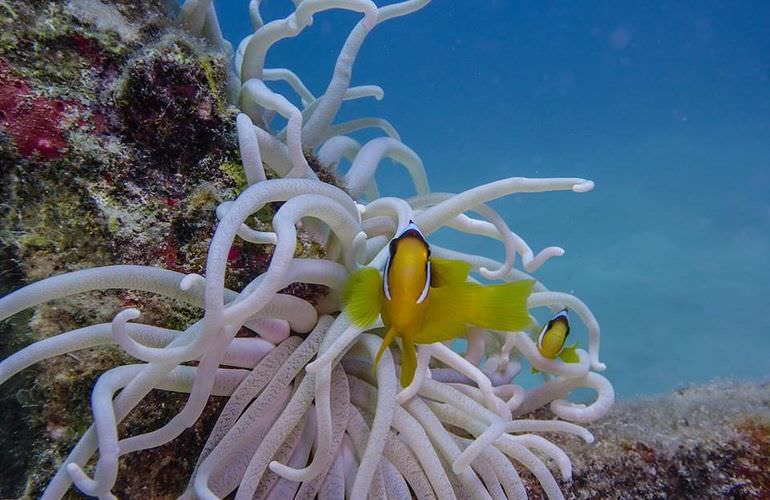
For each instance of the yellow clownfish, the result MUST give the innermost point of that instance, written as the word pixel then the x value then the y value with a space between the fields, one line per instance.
pixel 423 299
pixel 553 336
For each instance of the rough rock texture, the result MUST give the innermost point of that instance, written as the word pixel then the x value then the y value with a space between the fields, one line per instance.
pixel 117 142
pixel 708 441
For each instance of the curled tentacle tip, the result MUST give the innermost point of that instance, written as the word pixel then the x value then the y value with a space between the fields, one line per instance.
pixel 460 465
pixel 80 478
pixel 599 367
pixel 127 315
pixel 313 367
pixel 189 281
pixel 284 471
pixel 583 187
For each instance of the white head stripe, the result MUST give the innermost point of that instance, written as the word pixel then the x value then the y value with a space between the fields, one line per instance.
pixel 385 285
pixel 425 289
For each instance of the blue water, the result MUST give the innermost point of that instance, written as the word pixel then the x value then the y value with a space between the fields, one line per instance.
pixel 666 107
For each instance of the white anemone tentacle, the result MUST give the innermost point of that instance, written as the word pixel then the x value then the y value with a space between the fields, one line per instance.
pixel 294 81
pixel 335 149
pixel 192 15
pixel 372 153
pixel 258 45
pixel 496 228
pixel 255 93
pixel 249 148
pixel 348 127
pixel 557 388
pixel 439 214
pixel 316 127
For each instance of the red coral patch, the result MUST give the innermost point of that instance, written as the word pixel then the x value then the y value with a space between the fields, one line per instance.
pixel 34 122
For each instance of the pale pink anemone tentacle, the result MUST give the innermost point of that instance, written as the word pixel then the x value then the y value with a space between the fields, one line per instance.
pixel 291 78
pixel 383 416
pixel 195 404
pixel 179 379
pixel 302 314
pixel 444 442
pixel 334 149
pixel 142 384
pixel 510 445
pixel 259 410
pixel 454 360
pixel 392 207
pixel 321 207
pixel 338 329
pixel 271 329
pixel 348 127
pixel 434 217
pixel 245 393
pixel 476 345
pixel 364 395
pixel 358 431
pixel 340 394
pixel 557 388
pixel 251 200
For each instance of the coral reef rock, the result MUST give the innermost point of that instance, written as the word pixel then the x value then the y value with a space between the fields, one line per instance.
pixel 705 441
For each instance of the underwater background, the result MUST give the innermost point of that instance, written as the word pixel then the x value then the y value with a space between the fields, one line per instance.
pixel 666 107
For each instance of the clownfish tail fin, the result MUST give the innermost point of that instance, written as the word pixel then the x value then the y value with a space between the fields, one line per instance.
pixel 503 307
pixel 362 296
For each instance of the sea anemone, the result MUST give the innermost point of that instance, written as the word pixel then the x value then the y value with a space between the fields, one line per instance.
pixel 306 414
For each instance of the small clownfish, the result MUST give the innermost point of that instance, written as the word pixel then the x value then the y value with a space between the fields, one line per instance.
pixel 553 336
pixel 424 299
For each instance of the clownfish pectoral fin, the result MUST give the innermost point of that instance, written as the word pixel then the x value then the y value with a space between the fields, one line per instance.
pixel 408 362
pixel 569 355
pixel 362 296
pixel 445 271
